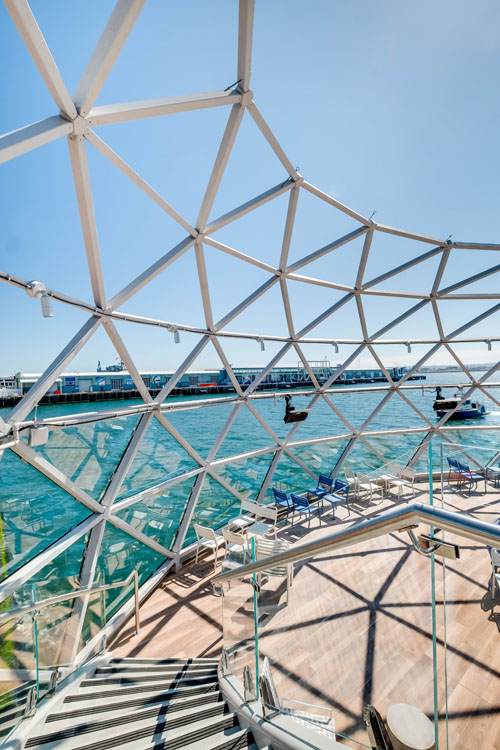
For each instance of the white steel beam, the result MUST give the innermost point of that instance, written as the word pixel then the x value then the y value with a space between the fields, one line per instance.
pixel 35 393
pixel 25 139
pixel 108 48
pixel 146 276
pixel 245 208
pixel 336 204
pixel 122 165
pixel 270 138
pixel 155 490
pixel 129 363
pixel 238 254
pixel 403 267
pixel 203 281
pixel 126 460
pixel 289 224
pixel 246 302
pixel 245 32
pixel 327 249
pixel 364 259
pixel 225 148
pixel 58 477
pixel 470 279
pixel 26 24
pixel 112 113
pixel 188 515
pixel 410 235
pixel 81 176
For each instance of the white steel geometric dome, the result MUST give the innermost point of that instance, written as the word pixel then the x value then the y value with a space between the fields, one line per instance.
pixel 120 488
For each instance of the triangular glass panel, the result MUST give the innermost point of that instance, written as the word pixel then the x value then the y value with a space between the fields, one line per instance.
pixel 129 224
pixel 357 407
pixel 214 508
pixel 461 312
pixel 339 265
pixel 384 311
pixel 463 264
pixel 258 233
pixel 175 154
pixel 159 514
pixel 119 555
pixel 246 474
pixel 159 457
pixel 308 301
pixel 317 224
pixel 322 420
pixel 272 410
pixel 222 267
pixel 389 251
pixel 240 183
pixel 264 316
pixel 35 512
pixel 88 454
pixel 419 279
pixel 341 323
pixel 157 43
pixel 248 358
pixel 320 458
pixel 290 477
pixel 246 434
pixel 201 425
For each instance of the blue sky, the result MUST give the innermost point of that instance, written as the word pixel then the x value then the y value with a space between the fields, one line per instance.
pixel 387 106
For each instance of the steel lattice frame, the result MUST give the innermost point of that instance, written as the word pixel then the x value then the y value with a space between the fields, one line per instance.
pixel 76 120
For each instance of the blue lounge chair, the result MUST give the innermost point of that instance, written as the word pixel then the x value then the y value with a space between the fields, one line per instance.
pixel 323 486
pixel 282 499
pixel 470 477
pixel 338 496
pixel 302 506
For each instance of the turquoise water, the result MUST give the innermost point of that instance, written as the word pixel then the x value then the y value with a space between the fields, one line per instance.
pixel 35 512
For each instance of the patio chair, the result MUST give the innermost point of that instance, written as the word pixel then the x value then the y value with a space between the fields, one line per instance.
pixel 206 538
pixel 233 541
pixel 268 547
pixel 366 485
pixel 323 486
pixel 352 480
pixel 338 496
pixel 393 471
pixel 302 506
pixel 495 573
pixel 470 477
pixel 406 479
pixel 282 500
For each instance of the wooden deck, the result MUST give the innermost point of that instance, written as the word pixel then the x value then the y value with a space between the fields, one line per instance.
pixel 358 628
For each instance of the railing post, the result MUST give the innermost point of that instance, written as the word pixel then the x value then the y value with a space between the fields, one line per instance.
pixel 136 593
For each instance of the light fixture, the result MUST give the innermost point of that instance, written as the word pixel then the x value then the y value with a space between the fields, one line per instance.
pixel 175 331
pixel 408 346
pixel 262 344
pixel 488 343
pixel 335 346
pixel 37 290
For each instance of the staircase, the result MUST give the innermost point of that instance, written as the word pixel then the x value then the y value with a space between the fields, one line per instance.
pixel 143 704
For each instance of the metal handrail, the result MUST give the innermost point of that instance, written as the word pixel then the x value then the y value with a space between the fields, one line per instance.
pixel 396 520
pixel 25 609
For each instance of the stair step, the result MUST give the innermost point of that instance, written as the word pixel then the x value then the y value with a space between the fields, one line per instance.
pixel 160 680
pixel 133 660
pixel 139 690
pixel 231 739
pixel 159 734
pixel 62 728
pixel 175 703
pixel 165 669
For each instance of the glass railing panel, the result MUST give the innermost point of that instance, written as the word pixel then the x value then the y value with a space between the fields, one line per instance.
pixel 17 670
pixel 239 621
pixel 34 513
pixel 349 628
pixel 246 475
pixel 215 506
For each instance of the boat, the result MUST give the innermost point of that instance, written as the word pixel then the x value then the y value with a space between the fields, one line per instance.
pixel 467 410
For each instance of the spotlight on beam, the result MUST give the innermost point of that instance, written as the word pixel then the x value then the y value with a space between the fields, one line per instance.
pixel 408 346
pixel 488 343
pixel 262 344
pixel 335 346
pixel 37 290
pixel 174 330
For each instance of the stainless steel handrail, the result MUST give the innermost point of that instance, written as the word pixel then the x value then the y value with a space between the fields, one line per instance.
pixel 19 611
pixel 413 513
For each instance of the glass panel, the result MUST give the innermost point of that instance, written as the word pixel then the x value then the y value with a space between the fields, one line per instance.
pixel 160 513
pixel 290 477
pixel 214 508
pixel 247 474
pixel 34 513
pixel 121 554
pixel 351 627
pixel 159 457
pixel 17 655
pixel 201 426
pixel 238 619
pixel 246 434
pixel 320 457
pixel 89 453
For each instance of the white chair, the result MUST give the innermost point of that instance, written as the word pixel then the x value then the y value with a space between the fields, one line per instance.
pixel 206 538
pixel 405 480
pixel 352 481
pixel 232 541
pixel 393 471
pixel 268 547
pixel 495 573
pixel 250 512
pixel 367 485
